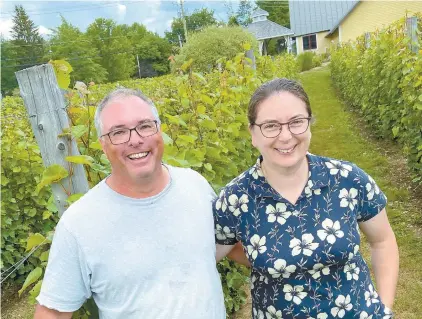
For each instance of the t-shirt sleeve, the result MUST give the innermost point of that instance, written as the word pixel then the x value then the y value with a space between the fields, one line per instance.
pixel 66 283
pixel 224 220
pixel 372 199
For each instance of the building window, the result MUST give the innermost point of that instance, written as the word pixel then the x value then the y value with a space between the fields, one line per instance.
pixel 309 42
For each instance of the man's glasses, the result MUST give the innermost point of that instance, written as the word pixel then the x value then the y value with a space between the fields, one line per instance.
pixel 122 135
pixel 273 129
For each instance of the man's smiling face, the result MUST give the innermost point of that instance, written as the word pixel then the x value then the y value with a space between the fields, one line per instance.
pixel 140 157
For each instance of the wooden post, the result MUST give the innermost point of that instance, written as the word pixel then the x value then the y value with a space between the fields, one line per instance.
pixel 249 54
pixel 367 40
pixel 46 109
pixel 411 28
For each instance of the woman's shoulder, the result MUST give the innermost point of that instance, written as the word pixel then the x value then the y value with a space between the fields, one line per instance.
pixel 346 170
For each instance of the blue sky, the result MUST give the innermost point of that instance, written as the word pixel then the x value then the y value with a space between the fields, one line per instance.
pixel 156 15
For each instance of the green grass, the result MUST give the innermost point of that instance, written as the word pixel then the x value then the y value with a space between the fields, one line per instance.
pixel 340 134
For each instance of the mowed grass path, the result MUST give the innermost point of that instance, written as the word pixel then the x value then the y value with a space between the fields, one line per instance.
pixel 338 133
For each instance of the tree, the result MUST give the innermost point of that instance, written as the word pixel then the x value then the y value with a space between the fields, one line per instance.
pixel 213 43
pixel 69 43
pixel 244 12
pixel 114 48
pixel 152 51
pixel 8 68
pixel 278 11
pixel 25 38
pixel 198 20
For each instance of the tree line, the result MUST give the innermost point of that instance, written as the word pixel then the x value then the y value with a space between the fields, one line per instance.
pixel 107 51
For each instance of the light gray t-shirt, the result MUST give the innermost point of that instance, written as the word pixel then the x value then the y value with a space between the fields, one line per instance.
pixel 138 258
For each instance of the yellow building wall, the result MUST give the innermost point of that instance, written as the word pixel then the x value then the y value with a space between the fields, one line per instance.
pixel 368 16
pixel 323 43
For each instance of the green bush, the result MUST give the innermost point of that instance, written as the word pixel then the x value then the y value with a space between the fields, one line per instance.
pixel 305 61
pixel 317 60
pixel 384 82
pixel 207 46
pixel 22 210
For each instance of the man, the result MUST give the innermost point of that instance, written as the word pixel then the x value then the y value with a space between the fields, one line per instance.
pixel 141 242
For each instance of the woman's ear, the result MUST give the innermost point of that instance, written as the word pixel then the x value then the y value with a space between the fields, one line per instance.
pixel 251 131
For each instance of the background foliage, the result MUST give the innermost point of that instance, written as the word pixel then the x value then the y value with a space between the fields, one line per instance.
pixel 205 128
pixel 384 82
pixel 211 44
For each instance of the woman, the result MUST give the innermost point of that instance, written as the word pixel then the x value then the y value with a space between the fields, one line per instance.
pixel 298 216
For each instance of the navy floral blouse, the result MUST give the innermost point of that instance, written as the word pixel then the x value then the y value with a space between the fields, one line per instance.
pixel 305 257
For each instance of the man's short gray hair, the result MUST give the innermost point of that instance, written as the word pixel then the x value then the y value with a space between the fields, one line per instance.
pixel 118 94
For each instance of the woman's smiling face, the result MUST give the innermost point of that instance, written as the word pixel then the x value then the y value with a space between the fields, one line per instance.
pixel 287 150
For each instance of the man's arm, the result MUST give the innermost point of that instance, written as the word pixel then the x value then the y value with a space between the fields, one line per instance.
pixel 42 312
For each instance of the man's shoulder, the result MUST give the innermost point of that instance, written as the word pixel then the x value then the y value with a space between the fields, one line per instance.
pixel 86 206
pixel 186 175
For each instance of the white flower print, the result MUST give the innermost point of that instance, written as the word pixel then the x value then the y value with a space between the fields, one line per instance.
pixel 321 315
pixel 371 296
pixel 264 279
pixel 238 205
pixel 305 246
pixel 331 231
pixel 355 251
pixel 372 188
pixel 318 269
pixel 258 314
pixel 388 314
pixel 342 305
pixel 253 280
pixel 348 198
pixel 364 315
pixel 336 166
pixel 256 172
pixel 221 203
pixel 273 313
pixel 223 232
pixel 295 294
pixel 278 213
pixel 352 271
pixel 280 269
pixel 258 246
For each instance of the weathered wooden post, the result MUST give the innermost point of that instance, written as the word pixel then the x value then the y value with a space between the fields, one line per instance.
pixel 46 109
pixel 367 40
pixel 249 54
pixel 411 28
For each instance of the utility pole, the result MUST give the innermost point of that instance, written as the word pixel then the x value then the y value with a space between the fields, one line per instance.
pixel 139 68
pixel 184 20
pixel 180 41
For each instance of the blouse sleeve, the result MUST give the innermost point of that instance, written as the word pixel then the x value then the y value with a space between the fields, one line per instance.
pixel 224 221
pixel 372 200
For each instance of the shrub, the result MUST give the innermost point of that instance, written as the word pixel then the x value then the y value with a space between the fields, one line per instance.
pixel 384 83
pixel 207 46
pixel 305 61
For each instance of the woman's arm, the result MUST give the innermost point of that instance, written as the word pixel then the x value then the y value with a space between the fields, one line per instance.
pixel 238 255
pixel 384 255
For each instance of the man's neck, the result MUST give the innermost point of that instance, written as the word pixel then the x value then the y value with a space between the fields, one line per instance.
pixel 140 187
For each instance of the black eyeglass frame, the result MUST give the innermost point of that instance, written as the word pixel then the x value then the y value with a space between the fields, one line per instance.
pixel 130 132
pixel 309 119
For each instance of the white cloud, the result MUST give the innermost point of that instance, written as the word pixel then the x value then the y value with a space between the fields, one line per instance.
pixel 6 27
pixel 149 21
pixel 44 31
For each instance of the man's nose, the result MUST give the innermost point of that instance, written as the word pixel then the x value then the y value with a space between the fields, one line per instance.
pixel 135 138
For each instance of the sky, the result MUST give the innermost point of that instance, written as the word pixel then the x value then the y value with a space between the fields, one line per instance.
pixel 156 15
